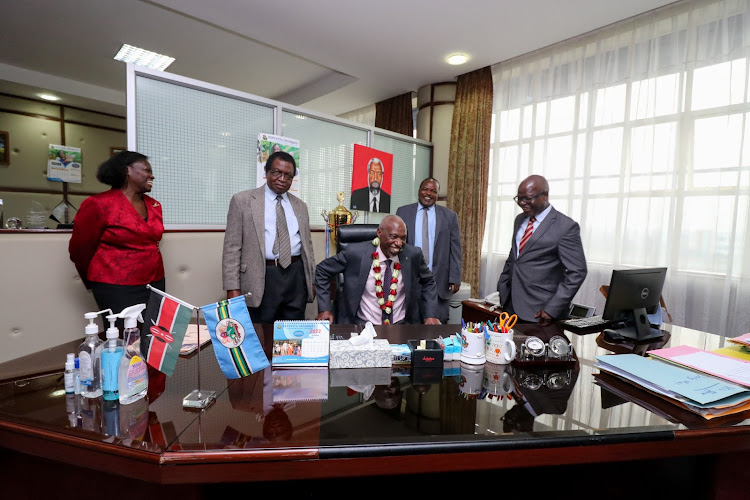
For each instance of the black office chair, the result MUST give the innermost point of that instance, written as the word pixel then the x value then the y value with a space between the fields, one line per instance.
pixel 351 233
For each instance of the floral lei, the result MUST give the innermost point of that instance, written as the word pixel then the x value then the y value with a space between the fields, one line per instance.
pixel 385 305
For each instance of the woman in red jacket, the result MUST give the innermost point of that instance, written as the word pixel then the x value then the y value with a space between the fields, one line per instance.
pixel 116 234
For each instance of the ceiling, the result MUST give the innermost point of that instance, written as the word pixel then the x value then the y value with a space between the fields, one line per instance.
pixel 331 56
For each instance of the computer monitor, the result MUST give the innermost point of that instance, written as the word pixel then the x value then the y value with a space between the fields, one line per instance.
pixel 633 294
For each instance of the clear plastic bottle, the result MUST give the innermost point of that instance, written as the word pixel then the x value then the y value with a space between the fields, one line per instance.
pixel 89 358
pixel 133 375
pixel 111 354
pixel 69 376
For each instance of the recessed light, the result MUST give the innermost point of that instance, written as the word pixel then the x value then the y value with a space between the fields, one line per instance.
pixel 457 59
pixel 48 97
pixel 143 57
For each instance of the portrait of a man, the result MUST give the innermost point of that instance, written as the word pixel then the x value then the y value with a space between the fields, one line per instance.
pixel 375 170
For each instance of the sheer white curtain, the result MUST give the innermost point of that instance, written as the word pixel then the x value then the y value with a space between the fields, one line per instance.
pixel 643 131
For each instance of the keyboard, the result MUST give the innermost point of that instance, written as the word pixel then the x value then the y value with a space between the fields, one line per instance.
pixel 591 322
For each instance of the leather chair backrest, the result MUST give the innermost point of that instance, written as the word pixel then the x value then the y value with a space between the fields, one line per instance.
pixel 353 233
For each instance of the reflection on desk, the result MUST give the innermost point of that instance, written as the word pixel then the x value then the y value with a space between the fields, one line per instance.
pixel 556 414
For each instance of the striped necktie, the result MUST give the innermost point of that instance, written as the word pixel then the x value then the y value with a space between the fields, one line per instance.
pixel 527 234
pixel 282 245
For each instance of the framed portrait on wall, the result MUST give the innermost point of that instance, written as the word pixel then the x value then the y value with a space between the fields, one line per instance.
pixel 116 149
pixel 4 149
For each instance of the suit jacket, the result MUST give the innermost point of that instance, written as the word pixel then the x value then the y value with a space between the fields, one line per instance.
pixel 243 260
pixel 355 262
pixel 447 259
pixel 361 200
pixel 549 271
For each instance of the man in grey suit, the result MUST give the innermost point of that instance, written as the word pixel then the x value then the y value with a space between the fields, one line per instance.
pixel 439 239
pixel 546 265
pixel 381 282
pixel 275 267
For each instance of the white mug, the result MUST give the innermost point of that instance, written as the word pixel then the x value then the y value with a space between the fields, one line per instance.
pixel 497 380
pixel 472 347
pixel 471 379
pixel 500 348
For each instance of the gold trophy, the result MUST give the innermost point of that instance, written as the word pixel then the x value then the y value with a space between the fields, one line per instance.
pixel 339 216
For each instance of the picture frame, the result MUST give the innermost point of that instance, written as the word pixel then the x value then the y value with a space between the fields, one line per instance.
pixel 116 149
pixel 4 148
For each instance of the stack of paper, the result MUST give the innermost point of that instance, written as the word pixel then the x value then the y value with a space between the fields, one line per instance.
pixel 701 394
pixel 711 363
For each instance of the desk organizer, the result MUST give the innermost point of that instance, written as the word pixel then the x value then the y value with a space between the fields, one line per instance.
pixel 430 356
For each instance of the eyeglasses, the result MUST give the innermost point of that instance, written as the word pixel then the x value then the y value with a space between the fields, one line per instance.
pixel 526 199
pixel 278 173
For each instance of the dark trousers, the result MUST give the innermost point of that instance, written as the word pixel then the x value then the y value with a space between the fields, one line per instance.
pixel 118 297
pixel 284 296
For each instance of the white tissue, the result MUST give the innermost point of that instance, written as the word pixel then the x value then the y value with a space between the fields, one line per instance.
pixel 364 338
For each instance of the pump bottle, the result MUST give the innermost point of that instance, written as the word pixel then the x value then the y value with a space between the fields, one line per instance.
pixel 111 353
pixel 133 375
pixel 89 358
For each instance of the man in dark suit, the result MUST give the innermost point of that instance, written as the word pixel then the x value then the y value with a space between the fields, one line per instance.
pixel 372 198
pixel 546 265
pixel 439 239
pixel 380 282
pixel 276 268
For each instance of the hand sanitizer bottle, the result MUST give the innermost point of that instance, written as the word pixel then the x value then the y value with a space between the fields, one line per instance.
pixel 89 358
pixel 69 376
pixel 111 353
pixel 133 376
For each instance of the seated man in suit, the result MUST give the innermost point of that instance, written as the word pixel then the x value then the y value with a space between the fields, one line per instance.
pixel 383 284
pixel 546 265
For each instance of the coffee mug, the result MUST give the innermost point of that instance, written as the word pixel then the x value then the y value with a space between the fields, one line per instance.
pixel 500 348
pixel 497 380
pixel 472 347
pixel 471 379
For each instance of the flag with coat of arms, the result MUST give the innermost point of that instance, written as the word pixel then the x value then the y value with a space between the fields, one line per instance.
pixel 165 323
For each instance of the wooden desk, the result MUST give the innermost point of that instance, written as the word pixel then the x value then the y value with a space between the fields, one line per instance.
pixel 477 312
pixel 598 443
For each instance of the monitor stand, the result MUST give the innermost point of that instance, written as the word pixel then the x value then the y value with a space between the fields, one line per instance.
pixel 641 330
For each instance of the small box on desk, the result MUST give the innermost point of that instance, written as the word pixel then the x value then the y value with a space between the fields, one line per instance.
pixel 344 354
pixel 431 355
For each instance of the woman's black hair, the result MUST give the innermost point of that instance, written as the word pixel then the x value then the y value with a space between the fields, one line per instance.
pixel 114 171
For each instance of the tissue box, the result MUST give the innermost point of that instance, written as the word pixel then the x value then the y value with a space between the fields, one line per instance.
pixel 431 356
pixel 360 376
pixel 344 354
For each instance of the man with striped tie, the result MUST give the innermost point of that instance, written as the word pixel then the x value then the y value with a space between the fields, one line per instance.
pixel 546 265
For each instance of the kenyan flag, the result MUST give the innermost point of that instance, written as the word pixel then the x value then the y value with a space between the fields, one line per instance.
pixel 165 322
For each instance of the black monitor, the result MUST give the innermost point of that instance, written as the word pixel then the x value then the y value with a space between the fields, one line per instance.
pixel 633 294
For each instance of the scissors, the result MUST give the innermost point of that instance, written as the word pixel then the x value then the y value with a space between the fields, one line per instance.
pixel 507 321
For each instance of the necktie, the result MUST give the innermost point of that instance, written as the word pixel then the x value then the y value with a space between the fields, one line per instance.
pixel 374 204
pixel 282 246
pixel 387 276
pixel 527 234
pixel 425 237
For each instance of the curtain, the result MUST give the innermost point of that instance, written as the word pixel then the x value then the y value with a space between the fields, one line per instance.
pixel 468 165
pixel 395 114
pixel 642 129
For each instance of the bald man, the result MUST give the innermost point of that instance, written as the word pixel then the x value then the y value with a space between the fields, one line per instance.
pixel 546 265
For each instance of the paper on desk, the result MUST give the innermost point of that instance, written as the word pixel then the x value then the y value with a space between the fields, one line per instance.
pixel 191 338
pixel 742 339
pixel 726 367
pixel 673 381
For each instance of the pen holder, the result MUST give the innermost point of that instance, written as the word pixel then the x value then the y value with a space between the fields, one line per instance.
pixel 500 348
pixel 498 381
pixel 471 379
pixel 472 347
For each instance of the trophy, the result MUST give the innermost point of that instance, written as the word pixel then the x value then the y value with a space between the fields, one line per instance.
pixel 339 216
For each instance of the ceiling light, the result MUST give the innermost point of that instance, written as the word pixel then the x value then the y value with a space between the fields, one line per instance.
pixel 48 97
pixel 457 59
pixel 142 57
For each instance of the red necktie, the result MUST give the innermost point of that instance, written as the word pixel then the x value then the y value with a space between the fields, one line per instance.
pixel 527 234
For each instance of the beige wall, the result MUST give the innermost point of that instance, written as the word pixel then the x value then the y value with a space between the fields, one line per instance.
pixel 42 299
